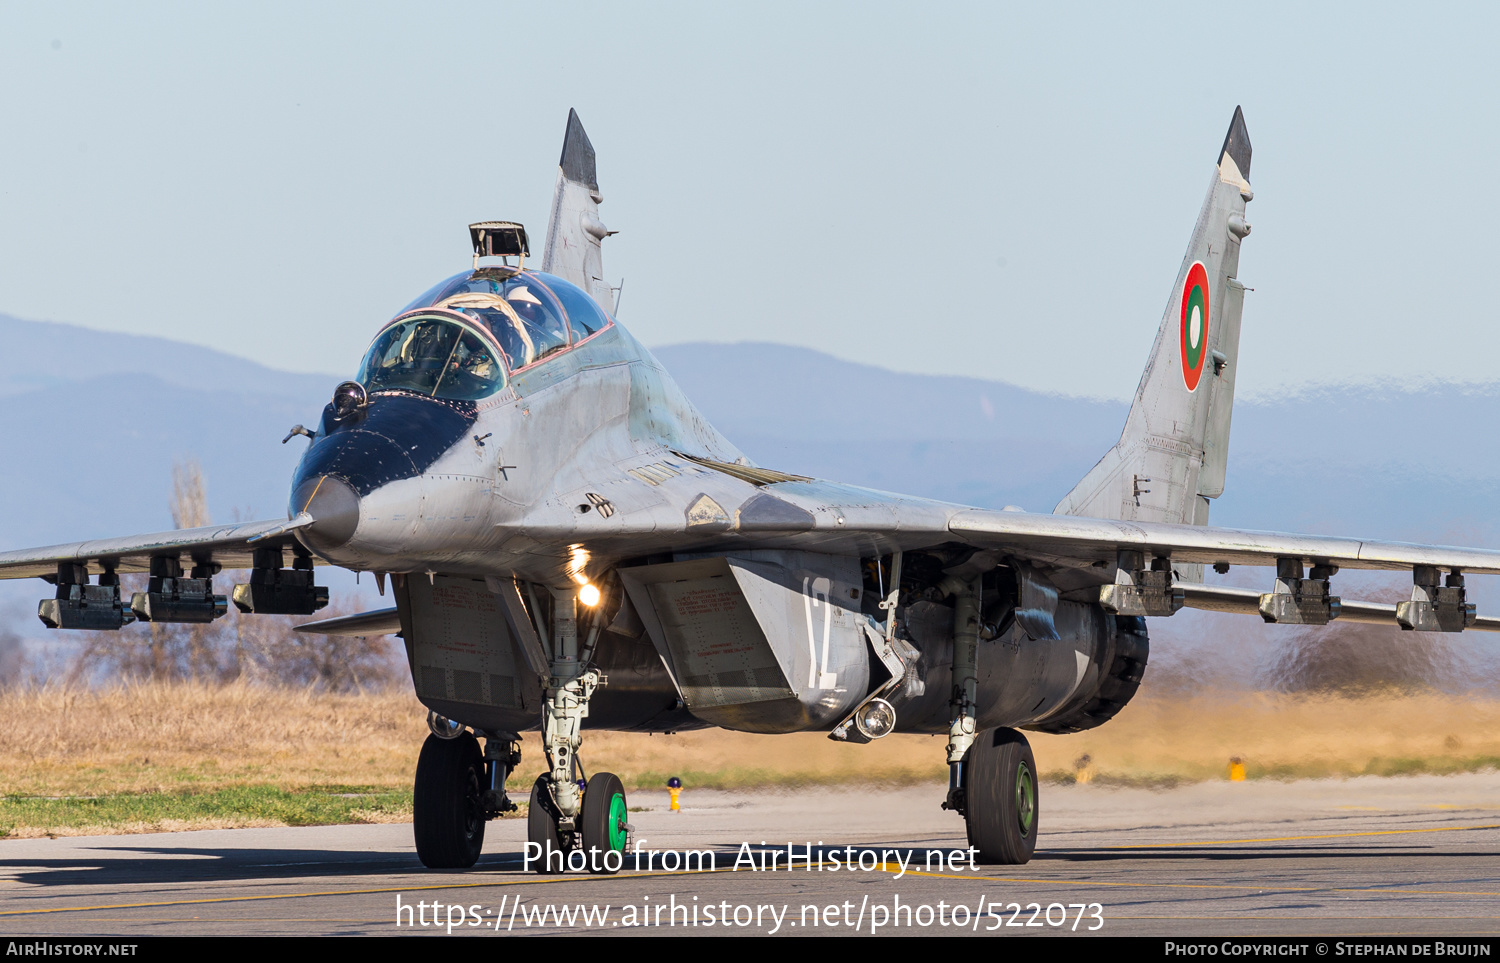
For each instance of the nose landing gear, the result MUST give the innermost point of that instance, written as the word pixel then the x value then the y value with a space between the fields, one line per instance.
pixel 573 825
pixel 594 840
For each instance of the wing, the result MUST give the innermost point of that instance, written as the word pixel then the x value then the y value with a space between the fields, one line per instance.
pixel 1070 541
pixel 1130 567
pixel 182 565
pixel 1134 568
pixel 1242 601
pixel 228 546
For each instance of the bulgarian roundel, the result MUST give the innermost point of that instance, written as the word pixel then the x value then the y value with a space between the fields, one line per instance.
pixel 1194 324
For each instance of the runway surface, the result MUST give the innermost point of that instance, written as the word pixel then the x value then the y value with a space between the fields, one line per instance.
pixel 1361 857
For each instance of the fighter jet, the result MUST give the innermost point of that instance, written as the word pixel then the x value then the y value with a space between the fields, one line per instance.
pixel 571 546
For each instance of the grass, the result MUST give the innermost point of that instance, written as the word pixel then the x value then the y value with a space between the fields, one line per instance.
pixel 1162 741
pixel 158 757
pixel 234 806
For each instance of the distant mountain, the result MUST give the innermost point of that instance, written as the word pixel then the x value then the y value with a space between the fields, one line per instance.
pixel 965 440
pixel 91 422
pixel 45 354
pixel 1411 464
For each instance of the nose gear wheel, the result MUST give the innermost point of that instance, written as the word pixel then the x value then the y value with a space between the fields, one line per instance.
pixel 606 822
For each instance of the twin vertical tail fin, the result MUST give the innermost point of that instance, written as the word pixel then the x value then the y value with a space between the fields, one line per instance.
pixel 574 231
pixel 1171 457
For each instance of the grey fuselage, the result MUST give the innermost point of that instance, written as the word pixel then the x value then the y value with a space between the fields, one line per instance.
pixel 735 596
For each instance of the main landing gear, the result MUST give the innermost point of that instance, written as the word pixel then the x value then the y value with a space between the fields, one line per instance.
pixel 459 788
pixel 991 774
pixel 1000 797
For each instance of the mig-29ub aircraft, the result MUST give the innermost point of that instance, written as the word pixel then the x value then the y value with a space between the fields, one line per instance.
pixel 571 545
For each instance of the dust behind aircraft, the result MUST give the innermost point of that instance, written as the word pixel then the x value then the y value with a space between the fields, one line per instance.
pixel 571 545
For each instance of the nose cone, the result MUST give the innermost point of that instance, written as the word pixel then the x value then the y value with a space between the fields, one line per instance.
pixel 395 438
pixel 335 510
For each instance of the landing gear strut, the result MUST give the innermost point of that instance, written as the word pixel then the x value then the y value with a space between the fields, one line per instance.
pixel 567 814
pixel 991 774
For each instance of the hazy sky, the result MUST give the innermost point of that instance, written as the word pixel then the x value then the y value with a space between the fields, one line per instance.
pixel 991 190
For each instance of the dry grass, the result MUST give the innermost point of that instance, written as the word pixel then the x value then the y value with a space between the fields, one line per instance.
pixel 1155 741
pixel 52 830
pixel 187 741
pixel 171 737
pixel 168 737
pixel 1174 739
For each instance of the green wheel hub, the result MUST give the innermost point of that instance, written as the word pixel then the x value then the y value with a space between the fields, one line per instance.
pixel 617 819
pixel 1025 799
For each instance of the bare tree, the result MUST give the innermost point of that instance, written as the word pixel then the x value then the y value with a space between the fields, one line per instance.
pixel 278 655
pixel 190 510
pixel 189 494
pixel 260 648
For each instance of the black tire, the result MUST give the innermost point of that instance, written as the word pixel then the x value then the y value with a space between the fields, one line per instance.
pixel 1000 797
pixel 447 817
pixel 604 819
pixel 541 828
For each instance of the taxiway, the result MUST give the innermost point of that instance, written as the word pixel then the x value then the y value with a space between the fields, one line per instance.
pixel 1411 856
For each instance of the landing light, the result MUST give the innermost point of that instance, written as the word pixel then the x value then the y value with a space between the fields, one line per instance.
pixel 875 719
pixel 578 564
pixel 443 727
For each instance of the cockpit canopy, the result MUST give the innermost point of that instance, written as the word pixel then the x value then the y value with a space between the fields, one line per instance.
pixel 531 315
pixel 432 355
